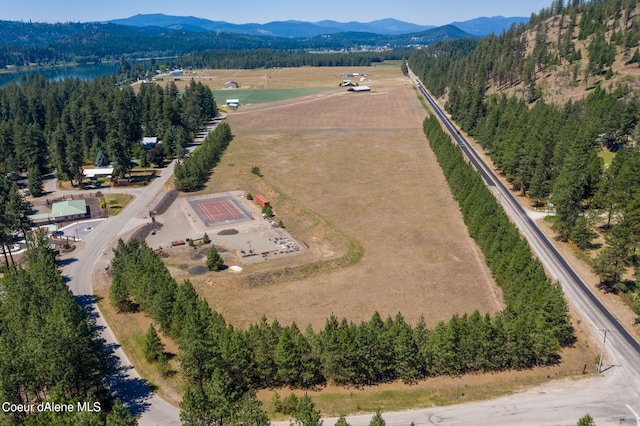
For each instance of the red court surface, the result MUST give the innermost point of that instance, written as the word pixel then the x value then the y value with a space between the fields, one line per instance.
pixel 218 210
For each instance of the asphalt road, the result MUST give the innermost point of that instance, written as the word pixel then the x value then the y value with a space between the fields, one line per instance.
pixel 622 379
pixel 127 385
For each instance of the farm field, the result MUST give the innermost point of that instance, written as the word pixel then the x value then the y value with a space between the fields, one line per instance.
pixel 360 161
pixel 260 96
pixel 342 169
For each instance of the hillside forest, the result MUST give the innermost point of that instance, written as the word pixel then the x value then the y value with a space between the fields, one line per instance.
pixel 497 90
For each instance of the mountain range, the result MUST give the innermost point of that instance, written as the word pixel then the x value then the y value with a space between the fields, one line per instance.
pixel 297 29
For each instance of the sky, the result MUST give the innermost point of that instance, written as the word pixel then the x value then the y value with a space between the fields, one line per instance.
pixel 423 12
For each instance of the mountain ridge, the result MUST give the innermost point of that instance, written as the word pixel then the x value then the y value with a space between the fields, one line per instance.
pixel 295 29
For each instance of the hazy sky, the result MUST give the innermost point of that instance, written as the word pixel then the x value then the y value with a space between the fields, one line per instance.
pixel 425 12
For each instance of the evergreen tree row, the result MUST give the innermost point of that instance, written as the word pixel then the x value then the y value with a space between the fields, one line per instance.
pixel 553 153
pixel 193 172
pixel 223 366
pixel 50 349
pixel 270 58
pixel 535 306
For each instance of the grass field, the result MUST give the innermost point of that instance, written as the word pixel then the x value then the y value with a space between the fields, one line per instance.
pixel 607 156
pixel 260 96
pixel 360 161
pixel 345 170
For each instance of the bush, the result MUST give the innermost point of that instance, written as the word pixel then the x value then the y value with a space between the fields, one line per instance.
pixel 249 197
pixel 256 171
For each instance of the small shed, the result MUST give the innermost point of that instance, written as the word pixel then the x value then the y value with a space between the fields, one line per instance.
pixel 359 89
pixel 231 85
pixel 261 200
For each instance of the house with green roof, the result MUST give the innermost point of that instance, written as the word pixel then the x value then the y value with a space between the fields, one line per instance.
pixel 63 211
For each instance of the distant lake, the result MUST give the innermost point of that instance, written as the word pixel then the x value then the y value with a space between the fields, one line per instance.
pixel 84 72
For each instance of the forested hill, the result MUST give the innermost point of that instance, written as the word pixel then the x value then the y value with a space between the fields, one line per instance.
pixel 561 54
pixel 48 44
pixel 556 104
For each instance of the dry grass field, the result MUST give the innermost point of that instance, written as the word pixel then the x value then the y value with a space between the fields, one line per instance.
pixel 347 170
pixel 271 78
pixel 361 161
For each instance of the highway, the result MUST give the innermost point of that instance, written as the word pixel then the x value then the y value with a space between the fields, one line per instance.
pixel 622 349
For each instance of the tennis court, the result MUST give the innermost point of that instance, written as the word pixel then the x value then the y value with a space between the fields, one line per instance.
pixel 219 210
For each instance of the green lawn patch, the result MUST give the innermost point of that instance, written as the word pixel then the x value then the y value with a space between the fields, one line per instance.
pixel 261 96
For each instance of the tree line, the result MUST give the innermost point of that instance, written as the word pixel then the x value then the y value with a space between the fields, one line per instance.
pixel 60 125
pixel 50 349
pixel 192 173
pixel 13 211
pixel 270 58
pixel 42 44
pixel 553 153
pixel 223 366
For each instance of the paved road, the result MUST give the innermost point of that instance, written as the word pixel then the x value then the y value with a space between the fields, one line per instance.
pixel 621 382
pixel 127 385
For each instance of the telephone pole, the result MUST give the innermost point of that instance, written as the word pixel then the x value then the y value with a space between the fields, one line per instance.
pixel 604 340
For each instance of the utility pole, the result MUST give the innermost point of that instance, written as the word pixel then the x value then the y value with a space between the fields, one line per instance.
pixel 604 340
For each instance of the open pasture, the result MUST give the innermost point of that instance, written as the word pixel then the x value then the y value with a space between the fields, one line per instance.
pixel 261 96
pixel 361 161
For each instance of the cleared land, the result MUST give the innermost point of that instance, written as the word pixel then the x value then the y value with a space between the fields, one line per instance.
pixel 359 160
pixel 366 169
pixel 261 96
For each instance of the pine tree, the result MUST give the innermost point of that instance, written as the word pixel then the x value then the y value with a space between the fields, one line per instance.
pixel 306 414
pixel 120 416
pixel 342 421
pixel 119 296
pixel 586 420
pixel 214 261
pixel 153 347
pixel 101 159
pixel 377 419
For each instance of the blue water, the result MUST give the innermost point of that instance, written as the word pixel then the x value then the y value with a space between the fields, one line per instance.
pixel 85 72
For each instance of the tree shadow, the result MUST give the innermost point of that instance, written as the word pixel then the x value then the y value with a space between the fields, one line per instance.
pixel 134 392
pixel 68 261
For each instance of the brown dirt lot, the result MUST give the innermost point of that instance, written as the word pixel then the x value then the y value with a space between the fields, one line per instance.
pixel 362 162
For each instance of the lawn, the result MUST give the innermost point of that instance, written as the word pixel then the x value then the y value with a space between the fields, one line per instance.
pixel 260 96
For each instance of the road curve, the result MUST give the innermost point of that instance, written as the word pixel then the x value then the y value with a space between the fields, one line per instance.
pixel 127 385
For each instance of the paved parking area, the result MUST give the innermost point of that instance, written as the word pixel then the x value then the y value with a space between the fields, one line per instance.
pixel 78 231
